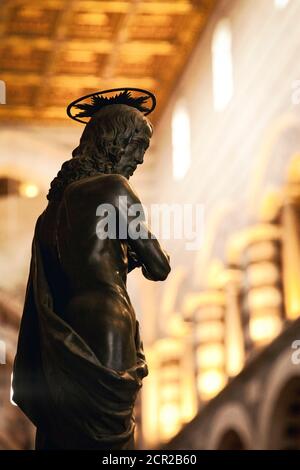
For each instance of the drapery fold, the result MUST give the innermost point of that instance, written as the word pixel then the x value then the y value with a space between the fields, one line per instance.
pixel 61 385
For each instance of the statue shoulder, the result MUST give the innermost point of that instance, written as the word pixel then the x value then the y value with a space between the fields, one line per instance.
pixel 107 187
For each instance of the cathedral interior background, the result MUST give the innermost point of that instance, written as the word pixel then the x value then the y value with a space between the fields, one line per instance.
pixel 221 335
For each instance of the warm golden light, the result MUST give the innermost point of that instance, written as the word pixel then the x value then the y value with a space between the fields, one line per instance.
pixel 210 383
pixel 177 327
pixel 169 353
pixel 210 356
pixel 169 420
pixel 263 292
pixel 209 339
pixel 168 348
pixel 291 261
pixel 170 373
pixel 210 330
pixel 150 403
pixel 270 206
pixel 262 251
pixel 28 190
pixel 234 339
pixel 264 297
pixel 214 275
pixel 263 329
pixel 215 299
pixel 263 273
pixel 188 393
pixel 169 393
pixel 293 172
pixel 257 239
pixel 169 397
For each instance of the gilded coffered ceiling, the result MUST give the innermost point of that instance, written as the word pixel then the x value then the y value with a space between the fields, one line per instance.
pixel 53 51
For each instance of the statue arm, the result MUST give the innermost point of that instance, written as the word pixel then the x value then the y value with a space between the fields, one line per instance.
pixel 144 249
pixel 133 262
pixel 149 254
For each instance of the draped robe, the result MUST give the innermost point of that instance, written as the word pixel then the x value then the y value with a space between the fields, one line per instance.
pixel 59 383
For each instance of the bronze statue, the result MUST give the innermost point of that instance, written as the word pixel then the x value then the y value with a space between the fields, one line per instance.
pixel 80 360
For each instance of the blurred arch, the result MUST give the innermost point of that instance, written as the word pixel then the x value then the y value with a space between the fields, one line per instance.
pixel 283 373
pixel 231 427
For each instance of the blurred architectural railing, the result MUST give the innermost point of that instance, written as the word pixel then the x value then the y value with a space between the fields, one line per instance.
pixel 250 300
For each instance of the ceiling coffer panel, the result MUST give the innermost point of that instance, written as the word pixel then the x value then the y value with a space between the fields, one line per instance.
pixel 53 51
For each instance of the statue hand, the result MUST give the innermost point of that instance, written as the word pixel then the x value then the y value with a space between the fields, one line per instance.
pixel 146 274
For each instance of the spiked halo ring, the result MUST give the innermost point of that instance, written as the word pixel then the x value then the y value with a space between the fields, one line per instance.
pixel 98 101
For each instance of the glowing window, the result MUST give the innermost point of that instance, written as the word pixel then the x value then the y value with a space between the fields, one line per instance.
pixel 281 4
pixel 181 141
pixel 222 65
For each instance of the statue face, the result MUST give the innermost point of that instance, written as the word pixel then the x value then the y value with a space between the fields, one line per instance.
pixel 134 154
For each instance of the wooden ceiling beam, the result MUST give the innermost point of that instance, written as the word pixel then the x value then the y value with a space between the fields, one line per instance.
pixel 21 79
pixel 120 40
pixel 58 42
pixel 148 47
pixel 53 49
pixel 4 12
pixel 76 81
pixel 150 7
pixel 90 81
pixel 103 46
pixel 153 7
pixel 165 8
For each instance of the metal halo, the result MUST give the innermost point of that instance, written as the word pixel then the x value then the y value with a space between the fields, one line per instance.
pixel 82 98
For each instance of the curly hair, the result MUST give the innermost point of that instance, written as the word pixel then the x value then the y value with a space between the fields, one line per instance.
pixel 102 144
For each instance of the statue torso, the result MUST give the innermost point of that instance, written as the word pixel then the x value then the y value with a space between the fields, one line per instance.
pixel 87 275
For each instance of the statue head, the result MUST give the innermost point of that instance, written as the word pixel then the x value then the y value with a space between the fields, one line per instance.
pixel 113 141
pixel 117 136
